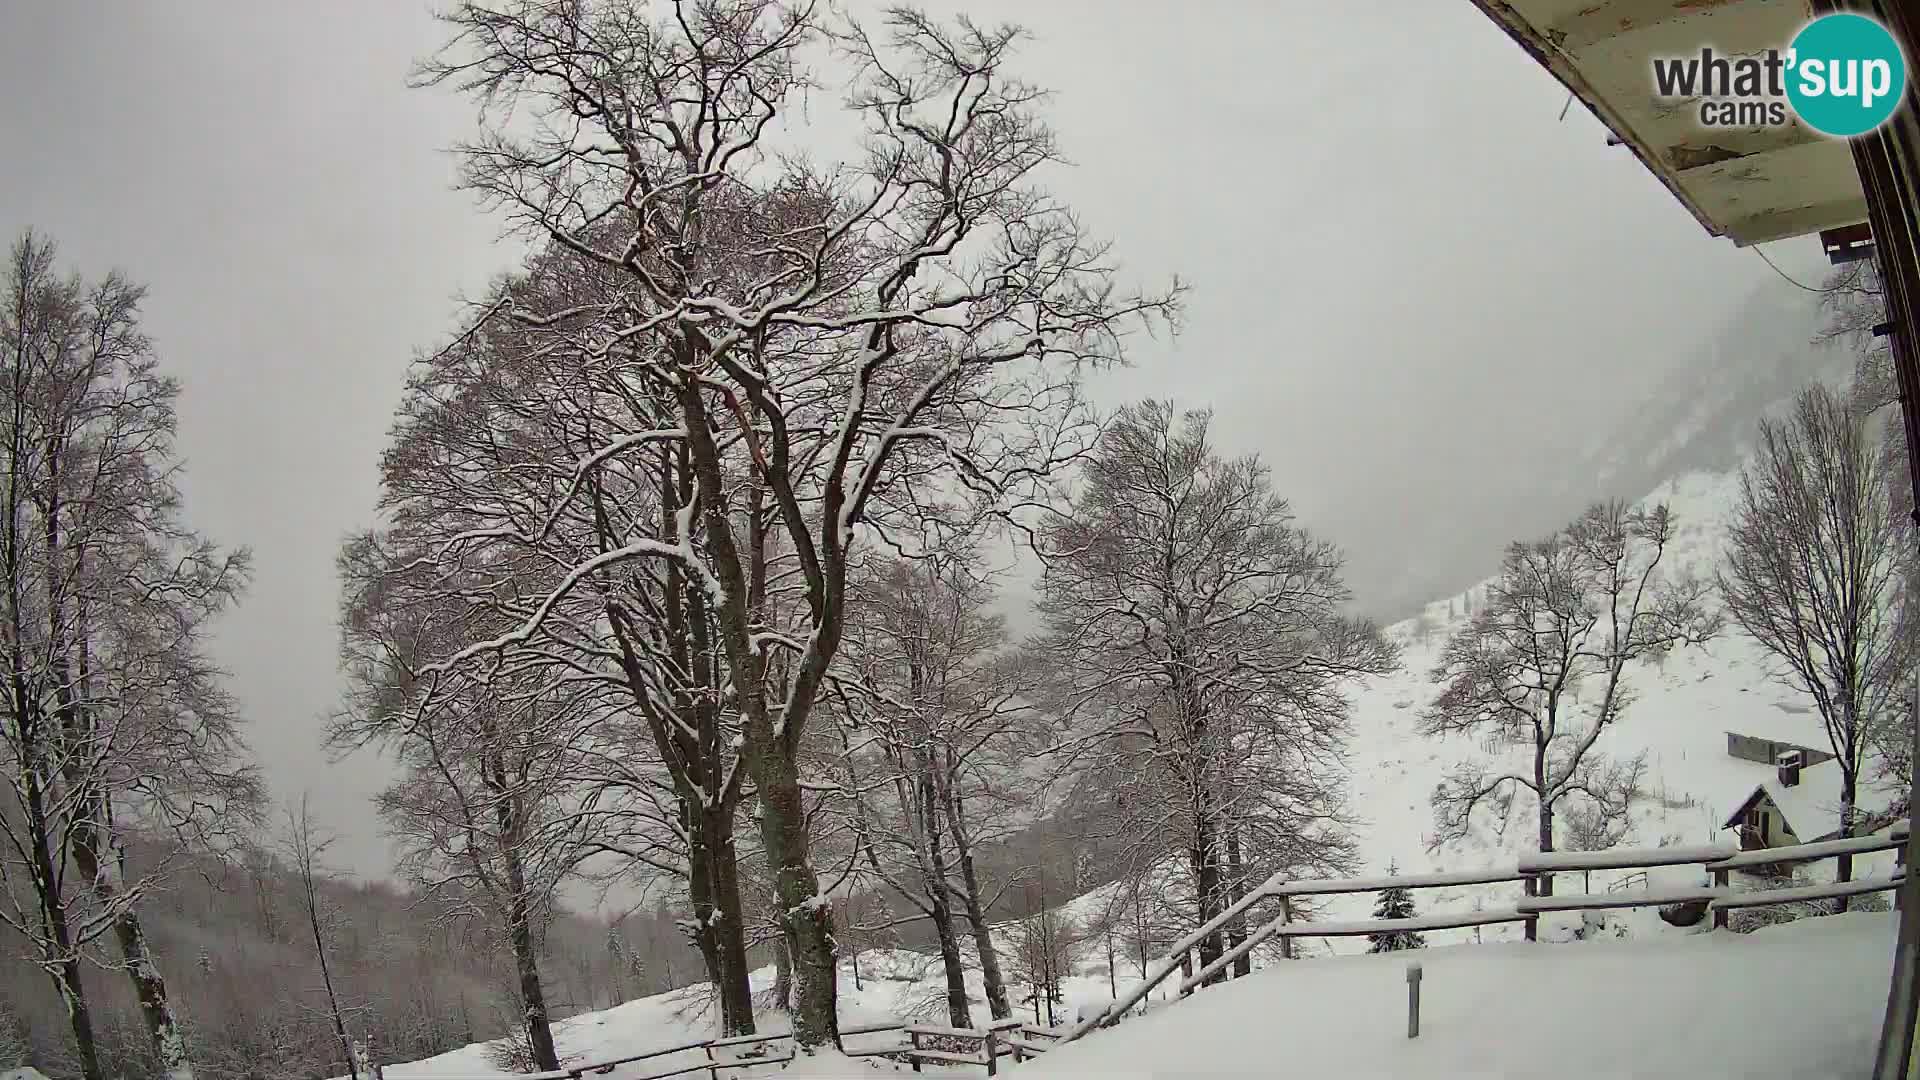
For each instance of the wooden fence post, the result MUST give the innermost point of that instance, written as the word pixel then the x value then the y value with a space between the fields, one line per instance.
pixel 1186 972
pixel 1413 1000
pixel 1286 916
pixel 1533 922
pixel 1719 913
pixel 713 1072
pixel 992 1056
pixel 913 1055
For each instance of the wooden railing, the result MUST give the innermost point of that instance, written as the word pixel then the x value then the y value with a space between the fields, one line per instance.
pixel 1535 873
pixel 924 1043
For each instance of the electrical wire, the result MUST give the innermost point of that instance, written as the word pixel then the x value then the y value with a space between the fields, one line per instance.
pixel 1783 274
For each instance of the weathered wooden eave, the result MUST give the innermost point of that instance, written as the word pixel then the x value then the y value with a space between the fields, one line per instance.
pixel 1751 185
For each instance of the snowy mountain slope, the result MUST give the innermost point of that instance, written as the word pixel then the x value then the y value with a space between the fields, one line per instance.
pixel 1682 709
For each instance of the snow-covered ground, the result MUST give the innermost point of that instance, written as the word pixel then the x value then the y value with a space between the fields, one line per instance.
pixel 1799 1000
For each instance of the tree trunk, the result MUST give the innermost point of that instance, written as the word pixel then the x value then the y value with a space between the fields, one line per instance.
pixel 700 895
pixel 326 977
pixel 527 966
pixel 1543 884
pixel 958 1011
pixel 782 977
pixel 169 1044
pixel 933 873
pixel 1237 888
pixel 64 966
pixel 805 915
pixel 995 984
pixel 713 884
pixel 1848 794
pixel 730 932
pixel 1206 884
pixel 66 982
pixel 1113 980
pixel 99 865
pixel 770 750
pixel 533 998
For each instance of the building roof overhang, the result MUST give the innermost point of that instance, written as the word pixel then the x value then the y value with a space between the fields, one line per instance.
pixel 1749 184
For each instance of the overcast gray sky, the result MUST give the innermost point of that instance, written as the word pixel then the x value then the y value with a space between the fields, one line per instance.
pixel 1413 285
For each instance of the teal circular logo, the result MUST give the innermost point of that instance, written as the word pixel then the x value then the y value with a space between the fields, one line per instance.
pixel 1845 75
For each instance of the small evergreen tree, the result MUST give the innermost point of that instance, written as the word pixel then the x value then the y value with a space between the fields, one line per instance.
pixel 1396 902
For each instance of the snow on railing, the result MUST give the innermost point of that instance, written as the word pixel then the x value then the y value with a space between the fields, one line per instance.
pixel 1619 898
pixel 1548 862
pixel 1535 872
pixel 1830 891
pixel 1009 1037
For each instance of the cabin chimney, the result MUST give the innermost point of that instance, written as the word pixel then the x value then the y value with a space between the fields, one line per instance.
pixel 1789 763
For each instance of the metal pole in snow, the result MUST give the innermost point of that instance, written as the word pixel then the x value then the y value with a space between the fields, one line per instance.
pixel 1413 1000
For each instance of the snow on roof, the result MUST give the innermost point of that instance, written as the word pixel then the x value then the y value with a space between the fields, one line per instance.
pixel 1812 806
pixel 1782 721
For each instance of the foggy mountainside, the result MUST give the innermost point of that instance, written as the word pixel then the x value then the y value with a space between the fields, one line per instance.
pixel 836 594
pixel 1697 417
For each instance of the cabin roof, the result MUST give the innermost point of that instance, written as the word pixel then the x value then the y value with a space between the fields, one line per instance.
pixel 1812 806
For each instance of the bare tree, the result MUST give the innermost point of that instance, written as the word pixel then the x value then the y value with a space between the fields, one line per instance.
pixel 1814 575
pixel 829 341
pixel 486 807
pixel 1199 653
pixel 505 427
pixel 935 727
pixel 305 845
pixel 1572 609
pixel 115 719
pixel 1043 946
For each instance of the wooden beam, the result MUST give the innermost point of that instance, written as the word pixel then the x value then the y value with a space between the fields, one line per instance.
pixel 1696 20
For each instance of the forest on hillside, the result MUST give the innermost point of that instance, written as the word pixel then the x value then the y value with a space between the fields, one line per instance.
pixel 236 940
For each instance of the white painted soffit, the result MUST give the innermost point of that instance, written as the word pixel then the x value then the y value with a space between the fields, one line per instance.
pixel 1751 185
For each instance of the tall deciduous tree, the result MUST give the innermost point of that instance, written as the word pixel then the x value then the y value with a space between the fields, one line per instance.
pixel 1201 655
pixel 305 845
pixel 486 808
pixel 1566 617
pixel 827 340
pixel 115 719
pixel 1814 575
pixel 513 454
pixel 934 732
